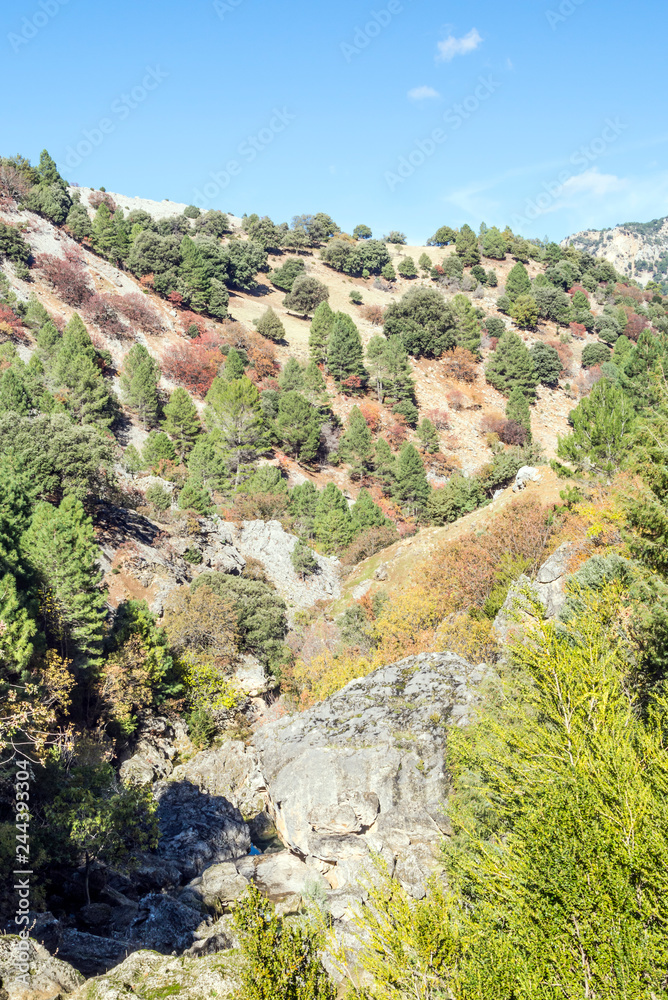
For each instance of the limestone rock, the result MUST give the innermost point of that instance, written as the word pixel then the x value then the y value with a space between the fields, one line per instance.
pixel 366 768
pixel 198 829
pixel 48 977
pixel 527 474
pixel 145 975
pixel 218 885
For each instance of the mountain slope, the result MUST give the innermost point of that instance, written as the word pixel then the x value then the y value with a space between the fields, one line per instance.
pixel 637 249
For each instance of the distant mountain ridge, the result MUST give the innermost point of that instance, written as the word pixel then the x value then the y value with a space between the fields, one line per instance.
pixel 637 249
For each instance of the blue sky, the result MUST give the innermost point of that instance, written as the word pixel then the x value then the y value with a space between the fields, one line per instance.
pixel 404 114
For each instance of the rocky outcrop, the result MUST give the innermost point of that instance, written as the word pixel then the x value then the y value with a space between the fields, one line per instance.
pixel 365 771
pixel 47 977
pixel 636 250
pixel 548 588
pixel 145 975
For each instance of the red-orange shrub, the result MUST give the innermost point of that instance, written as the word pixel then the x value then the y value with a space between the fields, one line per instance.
pixel 136 309
pixel 194 364
pixel 460 364
pixel 98 198
pixel 67 277
pixel 368 543
pixel 374 314
pixel 578 330
pixel 99 310
pixel 372 414
pixel 439 418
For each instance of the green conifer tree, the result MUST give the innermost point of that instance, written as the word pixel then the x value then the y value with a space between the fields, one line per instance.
pixel 410 482
pixel 181 421
pixel 468 325
pixel 139 384
pixel 193 277
pixel 269 325
pixel 234 413
pixel 303 506
pixel 321 327
pixel 467 246
pixel 494 244
pixel 105 237
pixel 518 282
pixel 158 448
pixel 357 444
pixel 292 375
pixel 424 263
pixel 315 387
pixel 384 465
pixel 78 221
pixel 511 365
pixel 344 350
pixel 406 268
pixel 517 409
pixel 303 560
pixel 388 271
pixel 234 366
pixel 60 547
pixel 298 425
pixel 334 527
pixel 367 514
pixel 428 437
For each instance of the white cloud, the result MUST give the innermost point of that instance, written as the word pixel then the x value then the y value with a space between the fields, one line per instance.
pixel 451 46
pixel 422 93
pixel 592 183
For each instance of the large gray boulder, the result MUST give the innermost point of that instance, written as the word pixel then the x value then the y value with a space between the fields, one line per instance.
pixel 365 771
pixel 45 978
pixel 147 975
pixel 548 588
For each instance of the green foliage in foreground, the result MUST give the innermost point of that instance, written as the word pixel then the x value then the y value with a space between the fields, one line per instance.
pixel 558 867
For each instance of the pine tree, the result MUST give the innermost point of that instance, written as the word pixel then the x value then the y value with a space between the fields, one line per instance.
pixel 602 422
pixel 525 312
pixel 344 350
pixel 206 463
pixel 367 514
pixel 292 375
pixel 60 547
pixel 399 381
pixel 158 448
pixel 494 244
pixel 511 365
pixel 428 437
pixel 132 460
pixel 233 411
pixel 303 560
pixel 71 362
pixel 321 327
pixel 406 268
pixel 303 506
pixel 234 366
pixel 518 282
pixel 334 527
pixel 357 443
pixel 139 384
pixel 269 325
pixel 410 483
pixel 193 278
pixel 48 342
pixel 13 394
pixel 467 246
pixel 424 263
pixel 547 363
pixel 517 409
pixel 315 387
pixel 298 425
pixel 468 325
pixel 384 465
pixel 181 421
pixel 36 315
pixel 388 271
pixel 104 234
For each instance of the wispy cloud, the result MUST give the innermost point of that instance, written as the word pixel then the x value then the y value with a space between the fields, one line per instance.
pixel 422 93
pixel 451 46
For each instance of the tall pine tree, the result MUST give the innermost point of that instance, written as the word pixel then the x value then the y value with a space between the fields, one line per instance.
pixel 234 413
pixel 181 421
pixel 344 350
pixel 321 327
pixel 410 482
pixel 139 384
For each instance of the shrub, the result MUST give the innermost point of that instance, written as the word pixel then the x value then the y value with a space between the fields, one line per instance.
pixel 368 543
pixel 356 297
pixel 284 277
pixel 159 497
pixel 306 294
pixel 406 268
pixel 595 354
pixel 100 197
pixel 374 314
pixel 99 310
pixel 136 309
pixel 195 364
pixel 270 326
pixel 460 364
pixel 439 418
pixel 67 277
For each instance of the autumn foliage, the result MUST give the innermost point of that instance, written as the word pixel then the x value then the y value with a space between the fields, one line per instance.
pixel 67 276
pixel 195 363
pixel 373 314
pixel 460 364
pixel 137 311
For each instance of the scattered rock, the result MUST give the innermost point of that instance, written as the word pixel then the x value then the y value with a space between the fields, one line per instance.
pixel 527 474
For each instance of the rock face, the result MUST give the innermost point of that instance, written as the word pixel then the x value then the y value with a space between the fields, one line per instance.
pixel 48 977
pixel 365 770
pixel 147 976
pixel 635 249
pixel 268 542
pixel 549 587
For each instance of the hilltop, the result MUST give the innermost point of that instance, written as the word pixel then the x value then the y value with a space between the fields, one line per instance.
pixel 639 250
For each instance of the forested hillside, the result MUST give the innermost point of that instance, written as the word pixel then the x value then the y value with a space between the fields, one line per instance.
pixel 243 464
